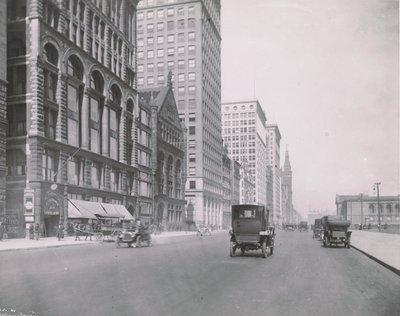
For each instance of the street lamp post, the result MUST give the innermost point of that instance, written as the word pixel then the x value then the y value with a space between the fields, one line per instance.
pixel 376 184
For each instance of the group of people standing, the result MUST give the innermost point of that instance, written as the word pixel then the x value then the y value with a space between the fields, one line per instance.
pixel 34 231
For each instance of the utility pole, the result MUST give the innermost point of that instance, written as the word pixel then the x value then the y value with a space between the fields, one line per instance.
pixel 377 184
pixel 362 215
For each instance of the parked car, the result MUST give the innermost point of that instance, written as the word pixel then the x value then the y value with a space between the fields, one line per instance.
pixel 251 230
pixel 317 229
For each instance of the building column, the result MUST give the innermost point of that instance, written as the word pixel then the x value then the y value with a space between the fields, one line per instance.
pixel 85 119
pixel 105 139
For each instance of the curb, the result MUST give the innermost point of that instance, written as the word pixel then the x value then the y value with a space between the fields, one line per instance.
pixel 391 268
pixel 44 247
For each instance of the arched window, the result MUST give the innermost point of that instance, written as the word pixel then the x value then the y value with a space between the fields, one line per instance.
pixel 97 82
pixel 161 165
pixel 74 99
pixel 96 101
pixel 51 54
pixel 130 106
pixel 75 68
pixel 116 95
pixel 16 47
pixel 371 208
pixel 114 121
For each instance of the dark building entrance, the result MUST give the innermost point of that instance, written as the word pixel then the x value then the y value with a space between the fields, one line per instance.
pixel 50 225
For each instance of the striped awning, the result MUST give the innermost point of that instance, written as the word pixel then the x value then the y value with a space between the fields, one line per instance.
pixel 90 210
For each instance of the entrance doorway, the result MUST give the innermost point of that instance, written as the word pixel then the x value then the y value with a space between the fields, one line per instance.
pixel 51 224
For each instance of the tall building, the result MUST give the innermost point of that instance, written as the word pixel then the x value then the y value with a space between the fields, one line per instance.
pixel 184 37
pixel 3 107
pixel 168 157
pixel 274 161
pixel 287 204
pixel 71 109
pixel 244 133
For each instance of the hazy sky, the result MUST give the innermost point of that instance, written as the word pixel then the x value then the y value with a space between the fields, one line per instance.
pixel 327 72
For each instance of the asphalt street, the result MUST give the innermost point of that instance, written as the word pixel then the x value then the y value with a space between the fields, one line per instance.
pixel 192 276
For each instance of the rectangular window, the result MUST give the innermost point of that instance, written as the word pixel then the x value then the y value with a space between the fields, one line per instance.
pixel 192 117
pixel 181 77
pixel 73 132
pixel 171 38
pixel 191 63
pixel 160 13
pixel 192 130
pixel 94 140
pixel 170 11
pixel 192 184
pixel 171 51
pixel 160 53
pixel 160 39
pixel 73 171
pixel 50 122
pixel 160 26
pixel 192 76
pixel 150 40
pixel 192 157
pixel 150 54
pixel 191 36
pixel 192 171
pixel 48 165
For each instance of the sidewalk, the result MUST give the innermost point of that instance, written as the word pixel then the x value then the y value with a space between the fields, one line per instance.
pixel 381 247
pixel 53 242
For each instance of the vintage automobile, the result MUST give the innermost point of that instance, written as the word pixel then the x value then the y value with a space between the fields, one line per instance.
pixel 250 230
pixel 134 236
pixel 303 227
pixel 317 229
pixel 335 231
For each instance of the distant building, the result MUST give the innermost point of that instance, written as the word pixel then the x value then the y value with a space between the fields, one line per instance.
pixel 244 134
pixel 316 214
pixel 287 204
pixel 274 161
pixel 247 185
pixel 363 209
pixel 168 157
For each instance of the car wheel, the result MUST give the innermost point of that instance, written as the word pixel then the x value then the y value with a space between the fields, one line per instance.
pixel 232 249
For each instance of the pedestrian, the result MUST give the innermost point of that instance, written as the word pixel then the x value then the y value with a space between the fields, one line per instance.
pixel 37 231
pixel 89 231
pixel 77 231
pixel 60 232
pixel 31 232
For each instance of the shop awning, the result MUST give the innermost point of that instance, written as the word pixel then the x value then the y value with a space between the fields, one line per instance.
pixel 84 209
pixel 90 210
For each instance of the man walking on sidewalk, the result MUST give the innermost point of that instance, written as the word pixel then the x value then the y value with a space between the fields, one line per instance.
pixel 37 231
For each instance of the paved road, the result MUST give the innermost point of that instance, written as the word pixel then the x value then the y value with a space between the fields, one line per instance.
pixel 189 276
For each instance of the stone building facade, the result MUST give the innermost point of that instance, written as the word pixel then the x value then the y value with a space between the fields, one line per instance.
pixel 71 108
pixel 362 209
pixel 3 107
pixel 168 156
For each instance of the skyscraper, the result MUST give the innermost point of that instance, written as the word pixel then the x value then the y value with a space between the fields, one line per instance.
pixel 184 37
pixel 274 161
pixel 244 133
pixel 3 107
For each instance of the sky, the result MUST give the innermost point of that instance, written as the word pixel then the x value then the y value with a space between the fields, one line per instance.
pixel 327 72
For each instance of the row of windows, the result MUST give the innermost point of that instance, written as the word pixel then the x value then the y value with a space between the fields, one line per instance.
pixel 169 12
pixel 161 52
pixel 181 24
pixel 239 130
pixel 239 123
pixel 160 65
pixel 191 36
